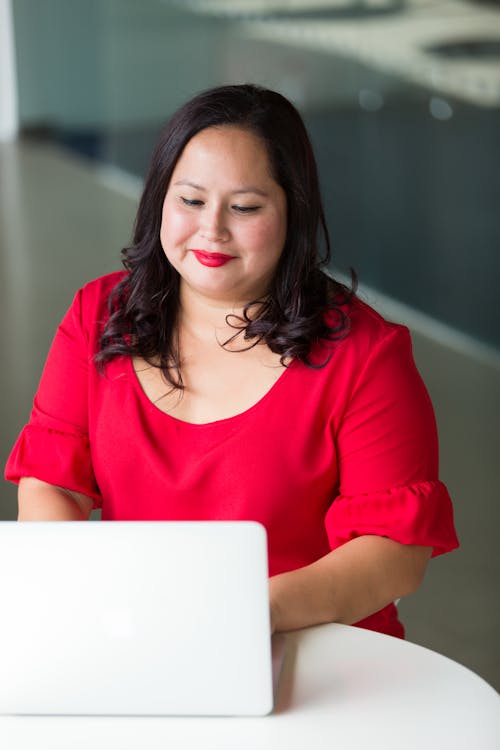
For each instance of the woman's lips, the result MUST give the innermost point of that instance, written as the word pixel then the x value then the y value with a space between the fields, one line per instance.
pixel 212 259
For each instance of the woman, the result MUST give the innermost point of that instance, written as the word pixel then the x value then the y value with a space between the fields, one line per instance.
pixel 224 375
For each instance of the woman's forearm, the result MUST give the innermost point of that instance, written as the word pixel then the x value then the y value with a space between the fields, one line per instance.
pixel 348 584
pixel 39 501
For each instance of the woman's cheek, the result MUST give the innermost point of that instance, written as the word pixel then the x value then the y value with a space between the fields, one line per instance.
pixel 270 235
pixel 176 230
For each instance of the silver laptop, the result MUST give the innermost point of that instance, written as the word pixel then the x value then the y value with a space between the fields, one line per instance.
pixel 135 618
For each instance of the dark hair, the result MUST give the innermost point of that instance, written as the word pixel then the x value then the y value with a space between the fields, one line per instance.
pixel 144 305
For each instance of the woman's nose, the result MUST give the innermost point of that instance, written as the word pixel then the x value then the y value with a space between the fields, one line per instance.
pixel 213 226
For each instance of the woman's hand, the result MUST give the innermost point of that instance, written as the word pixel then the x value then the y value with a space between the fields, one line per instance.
pixel 273 609
pixel 348 584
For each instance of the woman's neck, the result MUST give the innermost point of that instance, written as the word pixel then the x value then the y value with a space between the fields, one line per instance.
pixel 207 319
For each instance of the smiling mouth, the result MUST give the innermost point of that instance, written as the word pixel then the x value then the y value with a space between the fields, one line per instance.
pixel 212 259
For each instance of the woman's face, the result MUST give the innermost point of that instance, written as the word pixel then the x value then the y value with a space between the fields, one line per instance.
pixel 224 217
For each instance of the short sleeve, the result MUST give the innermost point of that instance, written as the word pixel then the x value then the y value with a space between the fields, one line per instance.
pixel 388 455
pixel 54 446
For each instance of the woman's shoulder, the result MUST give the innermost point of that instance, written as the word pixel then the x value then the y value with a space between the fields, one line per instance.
pixel 92 299
pixel 89 310
pixel 366 322
pixel 365 332
pixel 101 287
pixel 365 327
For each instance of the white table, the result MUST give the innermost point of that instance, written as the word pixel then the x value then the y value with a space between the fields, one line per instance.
pixel 342 687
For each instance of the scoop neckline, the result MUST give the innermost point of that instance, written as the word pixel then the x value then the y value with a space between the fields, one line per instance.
pixel 214 423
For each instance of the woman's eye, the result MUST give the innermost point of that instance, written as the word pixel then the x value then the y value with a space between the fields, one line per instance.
pixel 245 209
pixel 191 202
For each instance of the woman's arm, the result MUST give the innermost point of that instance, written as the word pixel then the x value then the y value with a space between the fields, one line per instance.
pixel 39 501
pixel 348 584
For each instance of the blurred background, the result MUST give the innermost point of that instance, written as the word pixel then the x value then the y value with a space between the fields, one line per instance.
pixel 402 102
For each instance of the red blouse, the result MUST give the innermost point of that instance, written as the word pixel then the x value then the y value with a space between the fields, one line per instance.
pixel 326 454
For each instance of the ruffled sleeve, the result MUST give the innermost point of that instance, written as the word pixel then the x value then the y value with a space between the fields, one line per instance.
pixel 419 513
pixel 388 455
pixel 54 446
pixel 59 458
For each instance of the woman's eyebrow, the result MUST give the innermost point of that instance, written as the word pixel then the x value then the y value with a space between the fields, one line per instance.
pixel 255 190
pixel 189 184
pixel 249 189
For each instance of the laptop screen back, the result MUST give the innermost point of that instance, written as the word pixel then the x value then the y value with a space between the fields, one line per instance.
pixel 146 618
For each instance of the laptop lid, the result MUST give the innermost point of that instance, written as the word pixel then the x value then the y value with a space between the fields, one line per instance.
pixel 135 618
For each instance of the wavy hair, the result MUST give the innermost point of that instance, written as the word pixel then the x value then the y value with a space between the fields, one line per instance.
pixel 292 317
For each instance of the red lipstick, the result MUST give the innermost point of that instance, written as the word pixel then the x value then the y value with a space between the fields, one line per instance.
pixel 213 260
